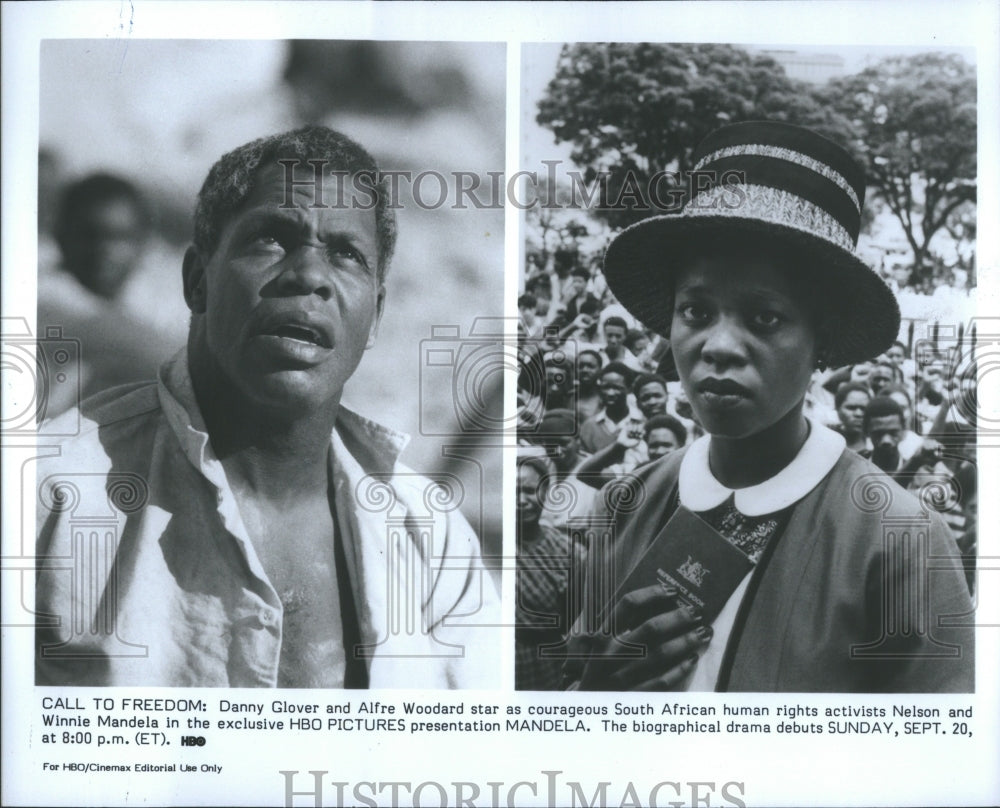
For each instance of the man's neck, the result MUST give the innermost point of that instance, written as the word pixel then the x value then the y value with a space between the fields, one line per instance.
pixel 268 454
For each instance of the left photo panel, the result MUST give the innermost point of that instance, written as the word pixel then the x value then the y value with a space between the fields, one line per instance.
pixel 268 372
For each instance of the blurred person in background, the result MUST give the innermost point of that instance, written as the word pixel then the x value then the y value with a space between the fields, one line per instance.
pixel 253 558
pixel 102 227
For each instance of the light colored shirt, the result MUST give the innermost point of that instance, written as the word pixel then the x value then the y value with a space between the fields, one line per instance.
pixel 148 575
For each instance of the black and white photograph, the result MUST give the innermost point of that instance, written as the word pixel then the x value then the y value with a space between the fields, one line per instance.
pixel 217 335
pixel 747 281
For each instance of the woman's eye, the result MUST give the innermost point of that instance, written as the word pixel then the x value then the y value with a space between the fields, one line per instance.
pixel 692 312
pixel 767 319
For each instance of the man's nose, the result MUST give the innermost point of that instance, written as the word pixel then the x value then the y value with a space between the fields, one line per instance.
pixel 305 272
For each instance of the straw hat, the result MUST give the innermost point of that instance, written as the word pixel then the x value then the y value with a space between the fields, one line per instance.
pixel 790 185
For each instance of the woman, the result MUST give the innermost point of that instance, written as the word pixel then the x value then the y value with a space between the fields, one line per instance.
pixel 756 285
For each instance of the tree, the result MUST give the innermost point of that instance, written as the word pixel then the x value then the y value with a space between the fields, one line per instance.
pixel 915 123
pixel 632 110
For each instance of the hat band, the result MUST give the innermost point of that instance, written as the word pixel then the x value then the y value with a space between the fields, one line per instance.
pixel 780 153
pixel 771 205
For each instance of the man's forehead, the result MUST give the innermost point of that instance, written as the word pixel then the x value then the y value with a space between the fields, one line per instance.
pixel 308 188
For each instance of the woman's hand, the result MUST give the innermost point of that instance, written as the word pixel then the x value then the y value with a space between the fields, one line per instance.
pixel 654 644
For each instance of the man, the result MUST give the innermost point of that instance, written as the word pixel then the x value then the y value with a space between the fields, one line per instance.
pixel 560 381
pixel 882 373
pixel 602 429
pixel 615 331
pixel 588 366
pixel 264 530
pixel 883 427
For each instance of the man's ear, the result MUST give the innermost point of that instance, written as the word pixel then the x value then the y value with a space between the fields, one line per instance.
pixel 194 280
pixel 379 306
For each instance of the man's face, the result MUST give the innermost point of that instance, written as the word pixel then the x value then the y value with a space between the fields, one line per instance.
pixel 562 451
pixel 652 399
pixel 587 368
pixel 611 390
pixel 614 339
pixel 579 284
pixel 896 355
pixel 885 432
pixel 852 411
pixel 880 376
pixel 103 244
pixel 661 442
pixel 530 495
pixel 290 297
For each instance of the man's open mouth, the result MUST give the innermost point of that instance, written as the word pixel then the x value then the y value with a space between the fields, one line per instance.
pixel 300 333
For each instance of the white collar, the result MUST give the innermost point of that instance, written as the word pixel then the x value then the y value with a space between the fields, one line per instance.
pixel 700 491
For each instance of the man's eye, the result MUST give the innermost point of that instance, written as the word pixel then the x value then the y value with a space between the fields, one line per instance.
pixel 267 241
pixel 345 252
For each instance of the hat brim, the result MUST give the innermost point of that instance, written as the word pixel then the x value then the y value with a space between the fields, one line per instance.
pixel 642 262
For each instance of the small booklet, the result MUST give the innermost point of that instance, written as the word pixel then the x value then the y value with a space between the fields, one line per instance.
pixel 694 558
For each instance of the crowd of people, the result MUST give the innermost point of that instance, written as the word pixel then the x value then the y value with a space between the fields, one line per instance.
pixel 599 398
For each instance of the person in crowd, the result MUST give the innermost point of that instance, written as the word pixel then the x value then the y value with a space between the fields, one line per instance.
pixel 588 367
pixel 576 293
pixel 527 305
pixel 613 385
pixel 615 330
pixel 850 401
pixel 546 558
pixel 250 553
pixel 884 426
pixel 756 284
pixel 650 391
pixel 663 434
pixel 560 381
pixel 911 440
pixel 570 498
pixel 881 374
pixel 539 287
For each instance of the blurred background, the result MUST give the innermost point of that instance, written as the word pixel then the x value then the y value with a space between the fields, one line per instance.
pixel 128 131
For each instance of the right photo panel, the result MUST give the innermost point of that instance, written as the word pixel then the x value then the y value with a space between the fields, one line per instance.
pixel 747 368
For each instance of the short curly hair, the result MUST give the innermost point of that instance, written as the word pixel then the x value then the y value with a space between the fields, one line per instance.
pixel 231 179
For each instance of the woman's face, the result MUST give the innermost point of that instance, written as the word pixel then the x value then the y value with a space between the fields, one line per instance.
pixel 744 344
